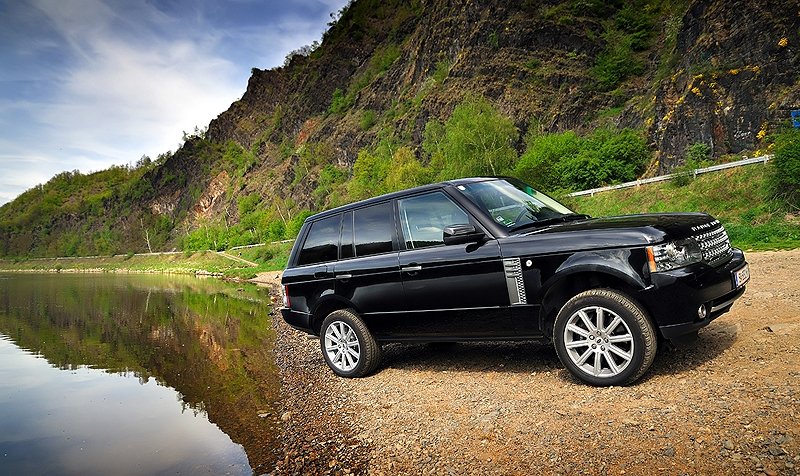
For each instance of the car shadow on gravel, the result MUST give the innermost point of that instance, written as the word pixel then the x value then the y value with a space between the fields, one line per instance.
pixel 528 357
pixel 512 357
pixel 711 342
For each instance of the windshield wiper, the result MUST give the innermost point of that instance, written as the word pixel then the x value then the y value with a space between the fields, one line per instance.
pixel 550 221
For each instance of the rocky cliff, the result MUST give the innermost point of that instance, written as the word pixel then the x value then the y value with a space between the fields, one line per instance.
pixel 722 73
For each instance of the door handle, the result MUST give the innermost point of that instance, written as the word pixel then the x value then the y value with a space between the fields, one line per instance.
pixel 323 273
pixel 344 276
pixel 411 269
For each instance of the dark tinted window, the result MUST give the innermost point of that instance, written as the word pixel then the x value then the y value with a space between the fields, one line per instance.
pixel 322 242
pixel 423 219
pixel 374 229
pixel 347 236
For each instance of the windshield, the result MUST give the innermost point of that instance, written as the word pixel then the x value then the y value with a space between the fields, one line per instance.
pixel 513 204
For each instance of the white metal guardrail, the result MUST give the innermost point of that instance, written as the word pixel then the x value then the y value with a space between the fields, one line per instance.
pixel 714 168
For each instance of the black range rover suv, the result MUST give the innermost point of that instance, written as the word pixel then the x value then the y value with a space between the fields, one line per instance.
pixel 494 259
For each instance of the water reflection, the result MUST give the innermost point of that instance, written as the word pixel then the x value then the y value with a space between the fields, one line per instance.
pixel 115 344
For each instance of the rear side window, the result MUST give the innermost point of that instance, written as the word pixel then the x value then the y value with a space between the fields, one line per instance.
pixel 322 242
pixel 374 229
pixel 424 218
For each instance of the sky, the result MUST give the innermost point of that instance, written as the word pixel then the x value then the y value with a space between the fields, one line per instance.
pixel 86 84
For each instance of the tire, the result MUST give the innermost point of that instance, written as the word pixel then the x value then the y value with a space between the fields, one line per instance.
pixel 347 346
pixel 618 351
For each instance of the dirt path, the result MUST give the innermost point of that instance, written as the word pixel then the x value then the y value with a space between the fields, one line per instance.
pixel 727 404
pixel 238 259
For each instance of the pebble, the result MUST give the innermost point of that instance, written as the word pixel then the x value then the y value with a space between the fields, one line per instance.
pixel 727 444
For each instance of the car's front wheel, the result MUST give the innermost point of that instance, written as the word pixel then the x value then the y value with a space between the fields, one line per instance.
pixel 604 338
pixel 348 347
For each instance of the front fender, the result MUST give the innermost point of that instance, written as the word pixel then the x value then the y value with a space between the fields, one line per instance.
pixel 625 265
pixel 616 268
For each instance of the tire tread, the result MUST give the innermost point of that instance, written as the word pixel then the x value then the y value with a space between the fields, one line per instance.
pixel 645 325
pixel 371 350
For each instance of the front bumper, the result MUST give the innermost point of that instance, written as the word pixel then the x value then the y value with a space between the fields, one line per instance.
pixel 675 296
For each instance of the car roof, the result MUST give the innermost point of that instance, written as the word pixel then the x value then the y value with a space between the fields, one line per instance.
pixel 400 193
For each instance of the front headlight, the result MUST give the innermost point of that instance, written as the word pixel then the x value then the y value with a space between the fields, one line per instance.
pixel 674 254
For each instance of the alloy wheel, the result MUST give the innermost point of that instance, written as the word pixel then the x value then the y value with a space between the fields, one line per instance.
pixel 342 346
pixel 598 341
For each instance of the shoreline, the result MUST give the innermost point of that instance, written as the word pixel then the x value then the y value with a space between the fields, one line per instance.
pixel 319 433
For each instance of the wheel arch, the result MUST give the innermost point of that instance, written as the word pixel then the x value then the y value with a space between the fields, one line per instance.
pixel 326 306
pixel 577 280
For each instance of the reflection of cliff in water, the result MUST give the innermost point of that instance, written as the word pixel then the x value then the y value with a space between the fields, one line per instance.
pixel 209 340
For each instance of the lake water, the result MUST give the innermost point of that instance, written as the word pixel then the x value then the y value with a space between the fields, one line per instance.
pixel 116 374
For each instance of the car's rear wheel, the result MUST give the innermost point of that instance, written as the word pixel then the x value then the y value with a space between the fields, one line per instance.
pixel 347 346
pixel 604 338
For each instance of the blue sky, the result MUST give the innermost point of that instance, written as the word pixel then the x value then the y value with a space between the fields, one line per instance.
pixel 86 84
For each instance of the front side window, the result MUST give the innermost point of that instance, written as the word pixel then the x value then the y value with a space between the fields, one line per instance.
pixel 423 219
pixel 374 229
pixel 513 204
pixel 322 242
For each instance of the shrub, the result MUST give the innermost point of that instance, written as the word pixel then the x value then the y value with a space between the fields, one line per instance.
pixel 442 71
pixel 629 32
pixel 617 62
pixel 565 161
pixel 276 230
pixel 330 179
pixel 340 102
pixel 785 177
pixel 476 140
pixel 698 155
pixel 369 174
pixel 294 225
pixel 537 165
pixel 367 119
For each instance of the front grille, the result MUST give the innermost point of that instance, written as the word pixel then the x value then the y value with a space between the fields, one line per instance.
pixel 715 245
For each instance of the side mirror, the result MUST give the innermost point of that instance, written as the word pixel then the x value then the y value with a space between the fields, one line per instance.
pixel 460 234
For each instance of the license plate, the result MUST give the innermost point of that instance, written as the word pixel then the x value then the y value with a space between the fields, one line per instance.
pixel 741 276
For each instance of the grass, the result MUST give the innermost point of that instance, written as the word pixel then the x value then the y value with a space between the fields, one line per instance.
pixel 270 257
pixel 737 197
pixel 176 263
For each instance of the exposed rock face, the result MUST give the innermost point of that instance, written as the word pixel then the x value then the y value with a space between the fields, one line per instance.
pixel 209 202
pixel 733 77
pixel 164 204
pixel 736 78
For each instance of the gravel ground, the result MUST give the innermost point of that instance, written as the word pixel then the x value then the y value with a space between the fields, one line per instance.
pixel 726 404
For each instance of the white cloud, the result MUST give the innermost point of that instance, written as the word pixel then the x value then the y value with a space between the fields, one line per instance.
pixel 102 82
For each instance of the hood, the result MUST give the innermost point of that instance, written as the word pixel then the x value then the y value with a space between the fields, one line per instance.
pixel 661 226
pixel 611 232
